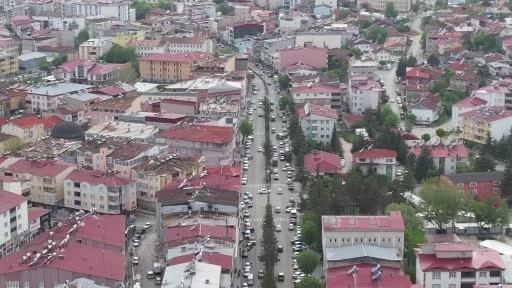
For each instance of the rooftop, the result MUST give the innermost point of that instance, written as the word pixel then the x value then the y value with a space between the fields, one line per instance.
pixel 122 130
pixel 308 109
pixel 390 277
pixel 323 162
pixel 311 56
pixel 185 233
pixel 99 178
pixel 51 121
pixel 118 103
pixel 129 151
pixel 356 252
pixel 9 200
pixel 488 114
pixel 471 101
pixel 167 164
pixel 214 258
pixel 384 223
pixel 490 176
pixel 442 151
pixel 187 40
pixel 176 57
pixel 34 213
pixel 200 133
pixel 26 122
pixel 56 89
pixel 225 170
pixel 375 153
pixel 39 168
pixel 316 88
pixel 204 83
pixel 203 273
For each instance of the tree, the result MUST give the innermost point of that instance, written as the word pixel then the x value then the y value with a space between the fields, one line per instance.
pixel 308 261
pixel 269 252
pixel 506 183
pixel 342 14
pixel 441 133
pixel 127 74
pixel 83 35
pixel 433 60
pixel 225 9
pixel 425 137
pixel 246 128
pixel 390 11
pixel 377 34
pixel 424 165
pixel 423 41
pixel 412 61
pixel 120 54
pixel 284 82
pixel 57 61
pixel 310 232
pixel 141 9
pixel 355 52
pixel 441 203
pixel 489 212
pixel 401 68
pixel 284 102
pixel 310 282
pixel 44 65
pixel 72 26
pixel 166 5
pixel 390 119
pixel 335 145
pixel 484 163
pixel 14 145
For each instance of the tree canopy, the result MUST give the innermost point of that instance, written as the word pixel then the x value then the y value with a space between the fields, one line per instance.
pixel 120 54
pixel 83 35
pixel 307 261
pixel 390 118
pixel 377 34
pixel 246 128
pixel 141 9
pixel 441 203
pixel 284 82
pixel 310 282
pixel 390 12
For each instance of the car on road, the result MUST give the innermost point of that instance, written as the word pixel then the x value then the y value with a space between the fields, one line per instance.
pixel 150 275
pixel 260 149
pixel 246 214
pixel 291 227
pixel 147 225
pixel 280 276
pixel 278 209
pixel 136 243
pixel 245 253
pixel 135 260
pixel 276 176
pixel 244 181
pixel 246 167
pixel 263 191
pixel 261 274
pixel 278 228
pixel 279 191
pixel 289 181
pixel 158 280
pixel 280 248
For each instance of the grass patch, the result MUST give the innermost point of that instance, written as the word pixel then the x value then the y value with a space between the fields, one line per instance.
pixel 348 135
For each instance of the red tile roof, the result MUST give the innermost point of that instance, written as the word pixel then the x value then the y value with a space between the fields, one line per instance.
pixel 179 102
pixel 316 88
pixel 391 277
pixel 213 181
pixel 470 102
pixel 376 153
pixel 415 72
pixel 102 69
pixel 383 223
pixel 26 122
pixel 215 258
pixel 39 168
pixel 481 259
pixel 323 162
pixel 71 65
pixel 111 91
pixel 98 178
pixel 35 213
pixel 311 56
pixel 424 104
pixel 194 232
pixel 177 57
pixel 443 151
pixel 489 114
pixel 225 170
pixel 51 121
pixel 459 66
pixel 200 133
pixel 76 258
pixel 308 109
pixel 10 200
pixel 351 118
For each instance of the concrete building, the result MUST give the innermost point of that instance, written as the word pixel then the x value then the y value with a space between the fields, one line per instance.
pixel 148 47
pixel 382 161
pixel 217 142
pixel 317 122
pixel 323 163
pixel 366 68
pixel 380 5
pixel 14 216
pixel 325 39
pixel 318 94
pixel 271 46
pixel 458 265
pixel 169 68
pixel 447 158
pixel 465 105
pixel 159 170
pixel 480 124
pixel 110 109
pixel 9 65
pixel 480 185
pixel 90 72
pixel 46 178
pixel 425 111
pixel 45 97
pixel 363 94
pixel 294 22
pixel 203 274
pixel 30 61
pixel 28 129
pixel 191 44
pixel 104 191
pixel 94 49
pixel 135 132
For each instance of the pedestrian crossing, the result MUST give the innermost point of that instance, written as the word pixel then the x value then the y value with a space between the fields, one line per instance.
pixel 278 219
pixel 265 185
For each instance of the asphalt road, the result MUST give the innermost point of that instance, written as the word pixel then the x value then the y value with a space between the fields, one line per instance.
pixel 256 181
pixel 146 251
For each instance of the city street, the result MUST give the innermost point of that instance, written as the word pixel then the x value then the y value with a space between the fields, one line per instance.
pixel 146 251
pixel 256 181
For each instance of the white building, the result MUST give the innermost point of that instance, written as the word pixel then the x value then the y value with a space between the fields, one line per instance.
pixel 366 68
pixel 457 265
pixel 317 122
pixel 148 47
pixel 105 192
pixel 424 111
pixel 382 161
pixel 61 23
pixel 107 9
pixel 319 94
pixel 446 158
pixel 13 221
pixel 477 125
pixel 332 3
pixel 363 95
pixel 380 5
pixel 465 105
pixel 136 132
pixel 93 49
pixel 190 44
pixel 495 95
pixel 272 46
pixel 326 39
pixel 293 22
pixel 46 97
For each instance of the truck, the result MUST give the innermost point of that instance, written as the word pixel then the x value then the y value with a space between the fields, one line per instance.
pixel 157 268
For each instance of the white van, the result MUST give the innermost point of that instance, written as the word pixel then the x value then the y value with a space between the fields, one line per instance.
pixel 250 280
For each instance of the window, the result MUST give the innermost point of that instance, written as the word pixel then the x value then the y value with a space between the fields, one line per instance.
pixel 497 182
pixel 41 284
pixel 497 190
pixel 453 275
pixel 472 184
pixel 482 274
pixel 436 285
pixel 452 286
pixel 460 185
pixel 495 274
pixel 13 284
pixel 436 275
pixel 26 285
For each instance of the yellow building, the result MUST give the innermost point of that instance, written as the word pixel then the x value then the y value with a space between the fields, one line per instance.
pixel 124 39
pixel 478 125
pixel 170 67
pixel 9 52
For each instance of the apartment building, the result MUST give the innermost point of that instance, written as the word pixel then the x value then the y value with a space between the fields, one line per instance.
pixel 324 39
pixel 294 22
pixel 363 94
pixel 380 5
pixel 14 224
pixel 457 265
pixel 104 191
pixel 480 185
pixel 317 93
pixel 216 143
pixel 480 124
pixel 495 95
pixel 9 57
pixel 190 44
pixel 382 161
pixel 28 129
pixel 465 105
pixel 447 158
pixel 46 178
pixel 148 47
pixel 70 114
pixel 110 109
pixel 317 122
pixel 364 68
pixel 171 67
pixel 426 110
pixel 123 131
pixel 45 97
pixel 17 185
pixel 89 72
pixel 94 49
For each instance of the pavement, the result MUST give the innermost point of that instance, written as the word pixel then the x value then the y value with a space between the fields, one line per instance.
pixel 256 181
pixel 147 251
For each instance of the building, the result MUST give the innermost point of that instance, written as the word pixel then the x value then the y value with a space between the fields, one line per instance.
pixel 319 94
pixel 28 129
pixel 170 67
pixel 315 58
pixel 294 22
pixel 89 72
pixel 271 46
pixel 380 5
pixel 323 163
pixel 31 61
pixel 46 178
pixel 159 170
pixel 465 105
pixel 190 44
pixel 203 274
pixel 382 161
pixel 243 30
pixel 70 114
pixel 9 65
pixel 183 107
pixel 92 246
pixel 480 124
pixel 217 142
pixel 364 68
pixel 425 110
pixel 347 240
pixel 457 265
pixel 325 39
pixel 367 275
pixel 94 49
pixel 495 95
pixel 447 158
pixel 223 236
pixel 106 192
pixel 109 110
pixel 363 95
pixel 82 101
pixel 135 132
pixel 45 97
pixel 14 216
pixel 148 47
pixel 480 185
pixel 317 122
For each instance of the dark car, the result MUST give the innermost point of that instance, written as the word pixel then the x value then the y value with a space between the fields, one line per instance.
pixel 280 248
pixel 245 253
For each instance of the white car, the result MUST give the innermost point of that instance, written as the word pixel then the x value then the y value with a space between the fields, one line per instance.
pixel 260 149
pixel 263 191
pixel 276 176
pixel 278 209
pixel 279 191
pixel 278 228
pixel 244 181
pixel 291 227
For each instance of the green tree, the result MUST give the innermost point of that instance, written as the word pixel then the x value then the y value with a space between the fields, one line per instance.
pixel 245 127
pixel 506 183
pixel 310 231
pixel 441 133
pixel 310 282
pixel 426 137
pixel 14 145
pixel 45 65
pixel 72 26
pixel 412 61
pixel 83 35
pixel 284 82
pixel 335 145
pixel 487 43
pixel 225 9
pixel 424 165
pixel 268 244
pixel 377 34
pixel 364 24
pixel 401 68
pixel 441 203
pixel 284 102
pixel 488 213
pixel 120 54
pixel 166 5
pixel 355 52
pixel 127 74
pixel 390 118
pixel 141 9
pixel 433 60
pixel 307 261
pixel 342 14
pixel 484 163
pixel 57 61
pixel 423 41
pixel 390 12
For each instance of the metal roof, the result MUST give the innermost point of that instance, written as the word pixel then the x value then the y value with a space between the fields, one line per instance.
pixel 359 251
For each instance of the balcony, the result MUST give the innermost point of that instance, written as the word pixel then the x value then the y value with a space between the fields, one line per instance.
pixel 468 277
pixel 113 208
pixel 113 200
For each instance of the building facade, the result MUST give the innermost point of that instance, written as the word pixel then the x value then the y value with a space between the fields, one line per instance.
pixel 170 68
pixel 382 161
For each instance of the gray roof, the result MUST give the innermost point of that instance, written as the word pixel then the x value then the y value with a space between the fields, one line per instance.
pixel 477 177
pixel 177 275
pixel 31 55
pixel 359 251
pixel 57 89
pixel 81 283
